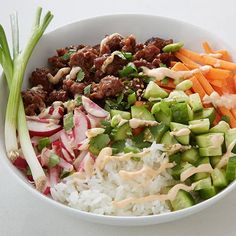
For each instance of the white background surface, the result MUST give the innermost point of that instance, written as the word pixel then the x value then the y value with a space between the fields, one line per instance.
pixel 22 214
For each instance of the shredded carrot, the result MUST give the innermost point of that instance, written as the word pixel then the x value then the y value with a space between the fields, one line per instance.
pixel 172 63
pixel 224 111
pixel 207 48
pixel 234 112
pixel 208 60
pixel 217 119
pixel 205 83
pixel 188 92
pixel 225 55
pixel 218 83
pixel 188 62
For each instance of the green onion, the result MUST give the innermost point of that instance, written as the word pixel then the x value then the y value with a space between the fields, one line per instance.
pixel 43 142
pixel 87 89
pixel 68 121
pixel 14 70
pixel 162 65
pixel 67 55
pixel 127 55
pixel 184 85
pixel 79 100
pixel 173 47
pixel 165 81
pixel 80 76
pixel 53 160
pixel 127 70
pixel 132 98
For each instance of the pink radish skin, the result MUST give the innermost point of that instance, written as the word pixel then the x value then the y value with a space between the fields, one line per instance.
pixel 66 155
pixel 54 175
pixel 82 124
pixel 65 165
pixel 42 129
pixel 95 122
pixel 79 159
pixel 93 109
pixel 68 142
pixel 42 120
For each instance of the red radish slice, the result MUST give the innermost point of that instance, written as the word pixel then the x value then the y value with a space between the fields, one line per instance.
pixel 93 109
pixel 84 145
pixel 42 120
pixel 66 155
pixel 45 155
pixel 47 187
pixel 81 126
pixel 42 129
pixel 68 142
pixel 52 112
pixel 65 165
pixel 54 173
pixel 55 136
pixel 95 122
pixel 79 159
pixel 20 163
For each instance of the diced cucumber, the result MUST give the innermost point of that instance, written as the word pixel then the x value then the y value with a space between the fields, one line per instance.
pixel 179 96
pixel 154 91
pixel 121 132
pixel 195 102
pixel 207 192
pixel 230 136
pixel 131 98
pixel 210 151
pixel 221 127
pixel 118 146
pixel 203 184
pixel 205 113
pixel 231 169
pixel 210 139
pixel 138 141
pixel 132 149
pixel 190 156
pixel 156 108
pixel 176 127
pixel 141 112
pixel 183 200
pixel 124 114
pixel 158 131
pixel 190 112
pixel 168 139
pixel 98 142
pixel 219 178
pixel 215 160
pixel 199 126
pixel 175 158
pixel 148 136
pixel 202 175
pixel 180 113
pixel 162 117
pixel 178 169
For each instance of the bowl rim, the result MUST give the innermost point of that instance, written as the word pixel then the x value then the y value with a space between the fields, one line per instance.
pixel 93 216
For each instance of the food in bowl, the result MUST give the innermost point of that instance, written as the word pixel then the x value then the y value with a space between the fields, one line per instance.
pixel 127 128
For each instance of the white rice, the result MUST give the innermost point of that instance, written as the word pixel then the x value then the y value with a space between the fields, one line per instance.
pixel 97 193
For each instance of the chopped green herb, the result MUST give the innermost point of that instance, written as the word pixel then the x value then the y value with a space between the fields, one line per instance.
pixel 127 70
pixel 68 121
pixel 132 98
pixel 67 55
pixel 135 158
pixel 107 126
pixel 120 98
pixel 165 81
pixel 79 100
pixel 118 146
pixel 43 142
pixel 162 65
pixel 64 174
pixel 87 89
pixel 226 119
pixel 53 160
pixel 80 76
pixel 127 55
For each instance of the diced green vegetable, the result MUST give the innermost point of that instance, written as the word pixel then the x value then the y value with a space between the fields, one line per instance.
pixel 168 139
pixel 231 169
pixel 158 131
pixel 53 160
pixel 98 142
pixel 148 136
pixel 178 169
pixel 175 158
pixel 184 85
pixel 230 136
pixel 180 113
pixel 131 98
pixel 118 146
pixel 87 89
pixel 139 142
pixel 124 114
pixel 203 184
pixel 219 178
pixel 183 200
pixel 173 47
pixel 141 113
pixel 121 133
pixel 210 139
pixel 132 149
pixel 80 75
pixel 202 175
pixel 210 151
pixel 184 139
pixel 128 70
pixel 199 126
pixel 214 160
pixel 195 102
pixel 207 193
pixel 205 113
pixel 190 156
pixel 43 142
pixel 221 127
pixel 179 96
pixel 68 121
pixel 154 91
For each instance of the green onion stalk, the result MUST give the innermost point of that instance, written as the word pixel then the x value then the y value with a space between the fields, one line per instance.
pixel 14 70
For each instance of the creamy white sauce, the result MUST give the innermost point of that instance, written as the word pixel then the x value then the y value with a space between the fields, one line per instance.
pixel 217 64
pixel 90 133
pixel 120 120
pixel 181 132
pixel 73 73
pixel 62 72
pixel 226 100
pixel 225 158
pixel 162 72
pixel 135 123
pixel 88 166
pixel 109 60
pixel 194 170
pixel 70 105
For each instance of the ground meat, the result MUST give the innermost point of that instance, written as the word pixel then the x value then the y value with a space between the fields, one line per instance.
pixel 142 62
pixel 165 58
pixel 84 58
pixel 158 42
pixel 148 53
pixel 34 101
pixel 73 87
pixel 129 44
pixel 39 77
pixel 117 64
pixel 57 95
pixel 114 43
pixel 109 86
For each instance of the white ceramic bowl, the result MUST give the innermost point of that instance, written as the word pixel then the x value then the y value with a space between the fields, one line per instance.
pixel 91 31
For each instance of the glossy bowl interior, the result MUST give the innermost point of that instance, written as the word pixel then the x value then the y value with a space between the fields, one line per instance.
pixel 91 31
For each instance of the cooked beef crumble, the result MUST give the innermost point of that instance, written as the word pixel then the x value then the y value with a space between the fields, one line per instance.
pixel 106 82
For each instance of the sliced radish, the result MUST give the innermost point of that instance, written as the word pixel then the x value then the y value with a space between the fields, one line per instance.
pixel 45 155
pixel 95 122
pixel 52 112
pixel 42 129
pixel 42 120
pixel 66 155
pixel 79 159
pixel 54 173
pixel 47 187
pixel 84 145
pixel 55 136
pixel 68 142
pixel 65 165
pixel 93 109
pixel 20 163
pixel 81 126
